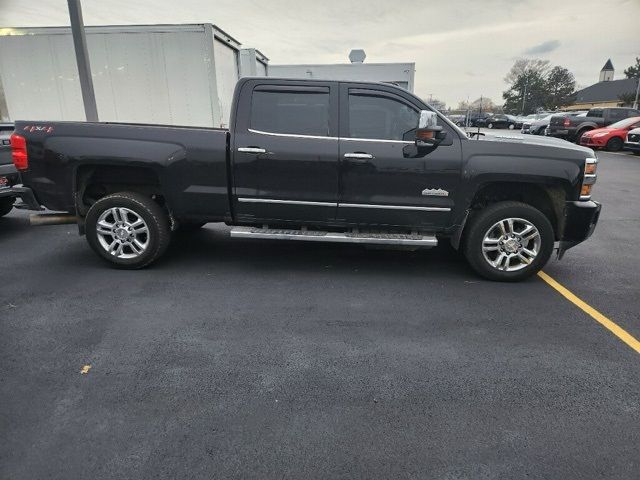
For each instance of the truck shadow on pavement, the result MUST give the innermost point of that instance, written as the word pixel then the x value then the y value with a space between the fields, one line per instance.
pixel 212 246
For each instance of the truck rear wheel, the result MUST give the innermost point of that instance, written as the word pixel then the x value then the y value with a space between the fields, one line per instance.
pixel 6 204
pixel 127 229
pixel 508 241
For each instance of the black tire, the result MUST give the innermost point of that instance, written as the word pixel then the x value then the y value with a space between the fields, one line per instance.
pixel 635 152
pixel 157 222
pixel 580 133
pixel 614 144
pixel 480 223
pixel 6 204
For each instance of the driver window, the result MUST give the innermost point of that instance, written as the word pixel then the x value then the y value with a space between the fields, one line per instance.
pixel 381 118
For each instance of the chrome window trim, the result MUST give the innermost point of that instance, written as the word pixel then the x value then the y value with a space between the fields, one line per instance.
pixel 291 135
pixel 395 207
pixel 287 202
pixel 348 139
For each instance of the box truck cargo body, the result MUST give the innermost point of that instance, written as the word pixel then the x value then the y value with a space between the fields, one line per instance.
pixel 164 74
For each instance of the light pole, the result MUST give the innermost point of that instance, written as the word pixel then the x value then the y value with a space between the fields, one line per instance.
pixel 635 103
pixel 82 59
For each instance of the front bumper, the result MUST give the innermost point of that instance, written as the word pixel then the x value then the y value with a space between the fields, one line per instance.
pixel 593 142
pixel 580 222
pixel 632 147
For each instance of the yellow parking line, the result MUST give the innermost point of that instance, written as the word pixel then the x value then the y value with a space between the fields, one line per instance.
pixel 610 325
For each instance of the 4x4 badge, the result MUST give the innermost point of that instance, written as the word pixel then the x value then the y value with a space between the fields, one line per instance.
pixel 435 192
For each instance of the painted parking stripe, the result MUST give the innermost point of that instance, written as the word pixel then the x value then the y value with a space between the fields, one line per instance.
pixel 610 325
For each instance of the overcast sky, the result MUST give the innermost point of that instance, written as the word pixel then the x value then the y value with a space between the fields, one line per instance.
pixel 461 48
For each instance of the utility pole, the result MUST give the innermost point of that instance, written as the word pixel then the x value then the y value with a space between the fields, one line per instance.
pixel 82 59
pixel 524 96
pixel 635 103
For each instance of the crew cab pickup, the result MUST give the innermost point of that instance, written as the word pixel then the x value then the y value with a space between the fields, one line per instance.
pixel 8 173
pixel 573 127
pixel 320 161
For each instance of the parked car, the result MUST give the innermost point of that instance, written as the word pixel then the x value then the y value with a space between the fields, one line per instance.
pixel 573 127
pixel 474 119
pixel 612 137
pixel 384 168
pixel 537 127
pixel 8 173
pixel 497 121
pixel 519 121
pixel 632 142
pixel 529 119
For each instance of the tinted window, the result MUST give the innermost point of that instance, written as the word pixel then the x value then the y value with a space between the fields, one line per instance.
pixel 381 118
pixel 299 113
pixel 595 113
pixel 617 114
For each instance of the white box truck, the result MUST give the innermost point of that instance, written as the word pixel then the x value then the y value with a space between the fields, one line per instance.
pixel 162 74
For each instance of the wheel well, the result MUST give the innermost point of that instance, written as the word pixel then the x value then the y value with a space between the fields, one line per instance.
pixel 95 182
pixel 549 199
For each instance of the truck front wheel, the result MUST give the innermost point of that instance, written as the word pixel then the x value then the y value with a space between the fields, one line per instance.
pixel 508 241
pixel 127 229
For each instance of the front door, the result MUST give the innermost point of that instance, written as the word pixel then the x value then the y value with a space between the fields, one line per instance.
pixel 285 153
pixel 382 180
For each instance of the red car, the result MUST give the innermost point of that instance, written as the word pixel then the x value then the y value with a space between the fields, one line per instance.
pixel 612 137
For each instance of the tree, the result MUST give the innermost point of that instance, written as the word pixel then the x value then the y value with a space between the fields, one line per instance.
pixel 534 85
pixel 634 70
pixel 561 85
pixel 527 66
pixel 483 104
pixel 437 104
pixel 527 92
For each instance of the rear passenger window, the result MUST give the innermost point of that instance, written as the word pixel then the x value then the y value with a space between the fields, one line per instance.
pixel 291 112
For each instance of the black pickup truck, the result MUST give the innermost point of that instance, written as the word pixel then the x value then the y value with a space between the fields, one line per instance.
pixel 318 161
pixel 8 173
pixel 573 127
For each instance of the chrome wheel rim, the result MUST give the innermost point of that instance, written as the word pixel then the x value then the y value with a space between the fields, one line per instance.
pixel 511 244
pixel 122 233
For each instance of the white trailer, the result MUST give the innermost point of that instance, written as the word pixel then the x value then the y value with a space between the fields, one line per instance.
pixel 164 74
pixel 400 74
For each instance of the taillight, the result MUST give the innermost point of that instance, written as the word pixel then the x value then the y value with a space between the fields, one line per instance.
pixel 567 122
pixel 19 152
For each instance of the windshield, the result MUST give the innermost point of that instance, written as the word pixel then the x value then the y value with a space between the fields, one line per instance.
pixel 627 122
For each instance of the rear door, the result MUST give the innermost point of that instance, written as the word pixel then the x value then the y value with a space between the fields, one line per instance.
pixel 285 152
pixel 382 181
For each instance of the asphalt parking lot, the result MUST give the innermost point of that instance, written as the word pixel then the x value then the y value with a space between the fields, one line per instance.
pixel 245 359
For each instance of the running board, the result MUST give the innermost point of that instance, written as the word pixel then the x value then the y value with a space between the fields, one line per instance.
pixel 317 236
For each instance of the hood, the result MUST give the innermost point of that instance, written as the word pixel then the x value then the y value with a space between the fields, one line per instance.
pixel 606 130
pixel 541 141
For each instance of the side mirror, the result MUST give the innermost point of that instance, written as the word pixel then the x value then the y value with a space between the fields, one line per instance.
pixel 428 134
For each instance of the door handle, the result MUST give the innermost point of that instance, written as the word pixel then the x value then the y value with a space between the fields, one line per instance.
pixel 251 150
pixel 358 155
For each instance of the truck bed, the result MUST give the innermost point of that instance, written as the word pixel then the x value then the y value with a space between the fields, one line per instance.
pixel 189 164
